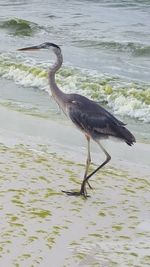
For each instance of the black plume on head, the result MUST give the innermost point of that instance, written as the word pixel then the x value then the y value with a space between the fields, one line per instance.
pixel 48 44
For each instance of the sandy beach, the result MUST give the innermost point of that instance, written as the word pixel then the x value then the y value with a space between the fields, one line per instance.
pixel 41 226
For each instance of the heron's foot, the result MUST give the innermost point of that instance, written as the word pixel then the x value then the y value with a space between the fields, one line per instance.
pixel 76 193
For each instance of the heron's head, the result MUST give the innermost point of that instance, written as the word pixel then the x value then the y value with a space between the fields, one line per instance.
pixel 51 46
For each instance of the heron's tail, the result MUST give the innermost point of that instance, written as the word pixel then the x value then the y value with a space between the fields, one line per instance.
pixel 127 136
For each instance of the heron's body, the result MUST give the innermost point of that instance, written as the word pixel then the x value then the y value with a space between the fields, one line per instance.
pixel 88 116
pixel 95 121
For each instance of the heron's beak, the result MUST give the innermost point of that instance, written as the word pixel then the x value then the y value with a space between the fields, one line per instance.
pixel 30 48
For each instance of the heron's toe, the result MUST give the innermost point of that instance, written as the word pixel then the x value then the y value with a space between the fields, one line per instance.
pixel 89 185
pixel 75 193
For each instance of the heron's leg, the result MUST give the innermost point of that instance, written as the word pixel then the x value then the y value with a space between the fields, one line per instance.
pixel 108 158
pixel 88 161
pixel 83 192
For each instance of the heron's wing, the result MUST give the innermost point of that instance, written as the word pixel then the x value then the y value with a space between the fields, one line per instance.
pixel 93 119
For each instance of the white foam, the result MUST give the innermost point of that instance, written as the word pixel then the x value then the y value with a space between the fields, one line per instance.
pixel 129 106
pixel 33 74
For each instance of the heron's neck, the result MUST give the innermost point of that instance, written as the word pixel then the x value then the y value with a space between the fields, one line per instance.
pixel 56 92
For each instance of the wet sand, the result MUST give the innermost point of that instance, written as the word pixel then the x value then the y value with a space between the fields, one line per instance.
pixel 41 226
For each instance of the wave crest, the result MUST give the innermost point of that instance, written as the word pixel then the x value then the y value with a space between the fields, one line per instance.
pixel 136 49
pixel 126 99
pixel 20 27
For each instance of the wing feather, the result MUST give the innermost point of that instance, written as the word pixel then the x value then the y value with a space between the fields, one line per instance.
pixel 97 122
pixel 91 122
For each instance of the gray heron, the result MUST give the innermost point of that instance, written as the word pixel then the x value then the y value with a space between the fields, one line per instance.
pixel 89 117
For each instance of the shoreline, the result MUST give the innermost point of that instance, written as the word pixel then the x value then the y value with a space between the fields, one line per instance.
pixel 66 139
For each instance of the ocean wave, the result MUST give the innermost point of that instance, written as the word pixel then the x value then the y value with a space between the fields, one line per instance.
pixel 136 49
pixel 20 27
pixel 125 99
